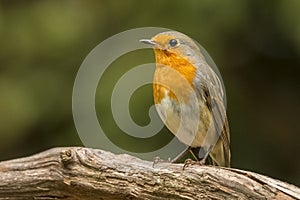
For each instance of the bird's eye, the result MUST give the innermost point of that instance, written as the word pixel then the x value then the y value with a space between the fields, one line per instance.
pixel 173 42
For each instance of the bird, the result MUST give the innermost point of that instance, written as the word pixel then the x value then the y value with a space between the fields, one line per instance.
pixel 188 96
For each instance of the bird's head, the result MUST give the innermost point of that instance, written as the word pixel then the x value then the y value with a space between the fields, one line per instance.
pixel 174 45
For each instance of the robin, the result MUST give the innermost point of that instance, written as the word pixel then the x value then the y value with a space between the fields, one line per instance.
pixel 189 98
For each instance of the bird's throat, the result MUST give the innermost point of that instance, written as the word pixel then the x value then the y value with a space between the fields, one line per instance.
pixel 174 75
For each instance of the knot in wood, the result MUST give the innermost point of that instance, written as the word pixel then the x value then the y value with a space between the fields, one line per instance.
pixel 66 156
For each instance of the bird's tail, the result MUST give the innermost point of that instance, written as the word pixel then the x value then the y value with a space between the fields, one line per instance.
pixel 220 155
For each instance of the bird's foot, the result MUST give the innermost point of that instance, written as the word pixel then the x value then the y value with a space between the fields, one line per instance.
pixel 189 162
pixel 158 160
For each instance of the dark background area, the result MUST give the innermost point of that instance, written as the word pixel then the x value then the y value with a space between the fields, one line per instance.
pixel 255 44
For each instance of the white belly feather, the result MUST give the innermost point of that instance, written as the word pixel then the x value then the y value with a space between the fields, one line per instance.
pixel 187 121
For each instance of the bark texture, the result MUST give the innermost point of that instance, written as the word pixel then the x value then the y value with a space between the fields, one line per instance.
pixel 82 173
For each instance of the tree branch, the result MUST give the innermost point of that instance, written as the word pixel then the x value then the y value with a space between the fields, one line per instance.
pixel 82 173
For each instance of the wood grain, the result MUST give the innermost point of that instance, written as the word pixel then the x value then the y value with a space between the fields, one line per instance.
pixel 83 173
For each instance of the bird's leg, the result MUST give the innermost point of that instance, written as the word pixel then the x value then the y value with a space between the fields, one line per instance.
pixel 200 162
pixel 193 154
pixel 181 155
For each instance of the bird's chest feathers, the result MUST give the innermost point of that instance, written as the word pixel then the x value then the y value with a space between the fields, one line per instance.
pixel 174 76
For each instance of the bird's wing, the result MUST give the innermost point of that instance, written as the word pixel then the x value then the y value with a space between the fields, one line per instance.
pixel 210 90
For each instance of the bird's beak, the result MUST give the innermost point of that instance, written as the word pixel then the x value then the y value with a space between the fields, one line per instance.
pixel 149 41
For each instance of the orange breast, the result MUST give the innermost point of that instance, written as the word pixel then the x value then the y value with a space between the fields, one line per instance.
pixel 168 68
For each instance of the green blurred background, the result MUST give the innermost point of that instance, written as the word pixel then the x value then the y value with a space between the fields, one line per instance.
pixel 255 44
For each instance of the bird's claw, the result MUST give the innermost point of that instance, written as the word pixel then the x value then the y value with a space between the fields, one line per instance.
pixel 157 160
pixel 189 162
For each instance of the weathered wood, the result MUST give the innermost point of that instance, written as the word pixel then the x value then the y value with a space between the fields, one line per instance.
pixel 82 173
